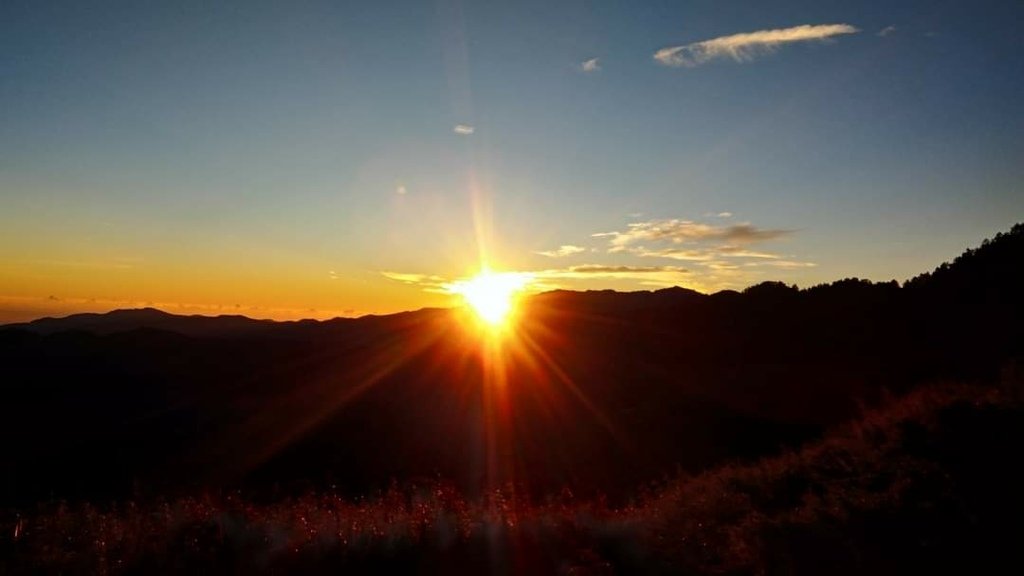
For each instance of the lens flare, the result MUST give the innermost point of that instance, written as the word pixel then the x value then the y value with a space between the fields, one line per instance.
pixel 491 295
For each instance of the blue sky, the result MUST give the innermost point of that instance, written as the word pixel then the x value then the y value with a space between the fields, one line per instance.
pixel 301 158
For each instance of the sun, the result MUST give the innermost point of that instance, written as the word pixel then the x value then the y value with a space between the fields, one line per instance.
pixel 492 295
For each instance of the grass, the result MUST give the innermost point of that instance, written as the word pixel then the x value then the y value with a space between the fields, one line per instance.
pixel 927 482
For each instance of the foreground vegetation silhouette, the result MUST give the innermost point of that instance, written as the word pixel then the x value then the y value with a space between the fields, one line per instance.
pixel 925 483
pixel 846 428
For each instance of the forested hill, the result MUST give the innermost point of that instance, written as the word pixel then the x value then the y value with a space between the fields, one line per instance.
pixel 601 390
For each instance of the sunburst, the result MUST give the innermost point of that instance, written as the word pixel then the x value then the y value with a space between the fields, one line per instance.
pixel 492 295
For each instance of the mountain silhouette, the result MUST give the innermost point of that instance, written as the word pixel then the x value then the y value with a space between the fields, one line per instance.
pixel 132 319
pixel 598 391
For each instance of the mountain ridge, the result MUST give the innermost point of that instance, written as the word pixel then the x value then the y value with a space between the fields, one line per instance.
pixel 605 390
pixel 947 277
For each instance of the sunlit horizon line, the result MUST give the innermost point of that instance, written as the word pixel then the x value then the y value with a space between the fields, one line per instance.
pixel 534 287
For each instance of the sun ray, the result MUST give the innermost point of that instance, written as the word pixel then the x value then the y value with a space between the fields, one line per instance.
pixel 536 354
pixel 491 295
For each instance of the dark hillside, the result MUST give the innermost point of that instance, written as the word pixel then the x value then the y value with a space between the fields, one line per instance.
pixel 922 484
pixel 595 391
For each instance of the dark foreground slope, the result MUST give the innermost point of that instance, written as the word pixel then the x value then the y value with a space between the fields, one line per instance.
pixel 596 392
pixel 929 483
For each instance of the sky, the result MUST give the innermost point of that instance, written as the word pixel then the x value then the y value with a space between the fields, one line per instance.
pixel 318 159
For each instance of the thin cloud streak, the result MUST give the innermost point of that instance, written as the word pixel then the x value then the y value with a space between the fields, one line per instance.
pixel 676 254
pixel 680 231
pixel 463 129
pixel 562 251
pixel 704 254
pixel 412 278
pixel 589 270
pixel 647 275
pixel 788 264
pixel 748 45
pixel 534 280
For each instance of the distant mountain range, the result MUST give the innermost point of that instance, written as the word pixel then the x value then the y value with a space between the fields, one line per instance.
pixel 986 273
pixel 124 320
pixel 596 390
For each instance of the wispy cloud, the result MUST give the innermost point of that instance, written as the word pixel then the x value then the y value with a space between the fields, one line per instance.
pixel 590 270
pixel 741 252
pixel 886 31
pixel 748 45
pixel 562 251
pixel 463 129
pixel 645 275
pixel 788 264
pixel 705 254
pixel 715 271
pixel 680 231
pixel 723 255
pixel 688 255
pixel 549 278
pixel 717 254
pixel 592 65
pixel 408 278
